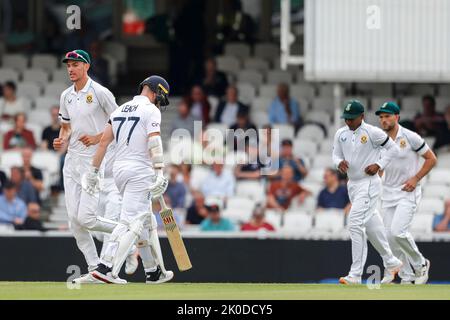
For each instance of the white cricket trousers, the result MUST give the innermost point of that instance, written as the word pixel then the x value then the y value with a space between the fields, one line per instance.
pixel 397 219
pixel 74 168
pixel 364 223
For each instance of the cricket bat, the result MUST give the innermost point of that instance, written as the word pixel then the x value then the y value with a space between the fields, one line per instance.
pixel 174 236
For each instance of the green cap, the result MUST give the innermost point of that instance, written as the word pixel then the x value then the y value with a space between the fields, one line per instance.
pixel 388 107
pixel 77 55
pixel 352 110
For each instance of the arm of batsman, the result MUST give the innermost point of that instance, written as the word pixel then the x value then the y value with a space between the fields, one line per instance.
pixel 90 181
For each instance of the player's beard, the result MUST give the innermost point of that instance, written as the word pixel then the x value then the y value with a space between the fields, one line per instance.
pixel 390 127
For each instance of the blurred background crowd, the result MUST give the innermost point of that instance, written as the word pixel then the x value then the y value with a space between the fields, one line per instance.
pixel 222 60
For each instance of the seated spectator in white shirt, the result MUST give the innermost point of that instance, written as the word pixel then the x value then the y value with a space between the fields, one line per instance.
pixel 335 194
pixel 219 183
pixel 12 209
pixel 10 104
pixel 228 109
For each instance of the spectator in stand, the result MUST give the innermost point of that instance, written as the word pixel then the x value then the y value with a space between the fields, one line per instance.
pixel 258 221
pixel 199 106
pixel 287 158
pixel 176 190
pixel 252 169
pixel 428 123
pixel 197 212
pixel 25 190
pixel 3 180
pixel 33 219
pixel 284 109
pixel 99 66
pixel 12 209
pixel 183 120
pixel 32 174
pixel 228 109
pixel 283 192
pixel 441 222
pixel 52 131
pixel 443 133
pixel 242 122
pixel 19 137
pixel 335 194
pixel 214 221
pixel 219 183
pixel 10 104
pixel 214 81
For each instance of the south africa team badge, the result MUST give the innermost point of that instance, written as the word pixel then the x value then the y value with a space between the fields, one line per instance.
pixel 363 139
pixel 402 144
pixel 89 98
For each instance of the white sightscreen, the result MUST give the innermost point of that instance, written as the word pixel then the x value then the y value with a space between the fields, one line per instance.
pixel 377 40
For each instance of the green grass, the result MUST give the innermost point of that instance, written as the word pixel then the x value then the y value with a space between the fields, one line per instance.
pixel 220 291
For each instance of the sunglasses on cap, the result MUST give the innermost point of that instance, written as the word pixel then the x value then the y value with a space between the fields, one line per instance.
pixel 75 55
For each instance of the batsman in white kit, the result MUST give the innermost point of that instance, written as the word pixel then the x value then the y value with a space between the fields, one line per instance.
pixel 84 110
pixel 402 194
pixel 138 174
pixel 357 152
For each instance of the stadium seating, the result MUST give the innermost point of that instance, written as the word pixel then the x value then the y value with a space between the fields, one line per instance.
pixel 268 90
pixel 422 224
pixel 251 189
pixel 431 205
pixel 257 64
pixel 45 103
pixel 329 221
pixel 47 62
pixel 411 103
pixel 17 62
pixel 38 76
pixel 247 93
pixel 28 89
pixel 40 116
pixel 238 49
pixel 279 76
pixel 8 74
pixel 304 148
pixel 321 117
pixel 285 131
pixel 54 89
pixel 302 90
pixel 268 51
pixel 311 132
pixel 297 223
pixel 250 76
pixel 228 64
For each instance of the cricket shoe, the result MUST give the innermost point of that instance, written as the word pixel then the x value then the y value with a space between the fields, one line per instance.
pixel 131 263
pixel 394 270
pixel 86 279
pixel 388 277
pixel 103 273
pixel 405 282
pixel 422 273
pixel 348 280
pixel 158 276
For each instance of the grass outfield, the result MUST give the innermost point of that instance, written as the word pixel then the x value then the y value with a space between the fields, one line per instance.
pixel 219 291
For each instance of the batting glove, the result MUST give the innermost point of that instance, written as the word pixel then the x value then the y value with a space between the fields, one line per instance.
pixel 90 181
pixel 158 187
